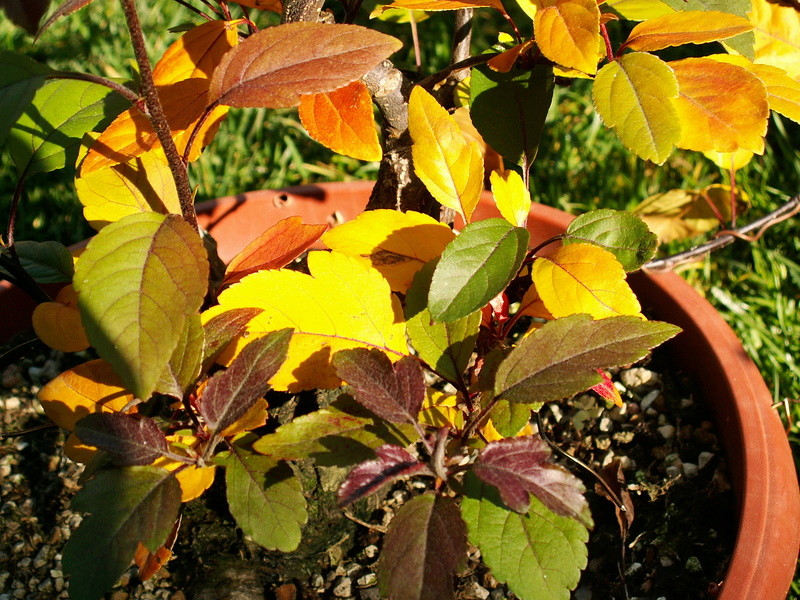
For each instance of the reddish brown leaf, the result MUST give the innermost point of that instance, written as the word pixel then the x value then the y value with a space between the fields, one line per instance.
pixel 25 13
pixel 393 392
pixel 277 65
pixel 276 247
pixel 426 541
pixel 220 330
pixel 131 440
pixel 393 462
pixel 65 8
pixel 614 478
pixel 519 466
pixel 232 392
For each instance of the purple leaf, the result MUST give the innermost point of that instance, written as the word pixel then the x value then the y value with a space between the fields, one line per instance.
pixel 393 462
pixel 393 392
pixel 131 440
pixel 519 466
pixel 426 541
pixel 220 330
pixel 230 393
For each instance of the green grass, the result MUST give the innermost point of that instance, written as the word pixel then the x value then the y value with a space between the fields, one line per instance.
pixel 581 166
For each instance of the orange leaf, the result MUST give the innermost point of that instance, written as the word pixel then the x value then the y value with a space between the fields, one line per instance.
pixel 150 562
pixel 504 61
pixel 343 121
pixel 721 107
pixel 58 324
pixel 446 4
pixel 275 248
pixel 533 306
pixel 273 5
pixel 197 53
pixel 88 388
pixel 568 33
pixel 690 27
pixel 256 416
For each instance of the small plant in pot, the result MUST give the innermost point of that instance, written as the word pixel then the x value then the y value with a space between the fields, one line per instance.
pixel 442 341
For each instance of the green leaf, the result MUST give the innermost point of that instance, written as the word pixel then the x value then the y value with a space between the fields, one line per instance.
pixel 447 347
pixel 48 134
pixel 128 506
pixel 20 77
pixel 509 109
pixel 539 554
pixel 634 95
pixel 475 267
pixel 561 359
pixel 622 233
pixel 509 417
pixel 341 434
pixel 184 365
pixel 742 43
pixel 425 543
pixel 138 281
pixel 46 262
pixel 265 498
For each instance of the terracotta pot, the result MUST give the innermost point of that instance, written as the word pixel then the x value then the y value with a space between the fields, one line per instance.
pixel 757 449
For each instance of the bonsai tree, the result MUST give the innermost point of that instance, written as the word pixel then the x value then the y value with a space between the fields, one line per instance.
pixel 440 341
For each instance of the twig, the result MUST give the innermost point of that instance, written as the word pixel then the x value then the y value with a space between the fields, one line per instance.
pixel 159 121
pixel 363 523
pixel 759 226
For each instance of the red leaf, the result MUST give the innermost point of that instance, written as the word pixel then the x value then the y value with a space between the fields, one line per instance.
pixel 131 440
pixel 231 393
pixel 519 466
pixel 277 65
pixel 276 247
pixel 606 389
pixel 393 392
pixel 393 462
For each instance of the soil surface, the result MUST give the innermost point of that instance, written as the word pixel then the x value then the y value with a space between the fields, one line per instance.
pixel 660 447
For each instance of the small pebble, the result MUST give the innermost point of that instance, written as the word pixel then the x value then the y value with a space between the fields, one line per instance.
pixel 371 551
pixel 633 569
pixel 665 561
pixel 690 469
pixel 703 458
pixel 693 565
pixel 343 587
pixel 638 378
pixel 673 472
pixel 475 591
pixel 667 431
pixel 605 425
pixel 686 402
pixel 367 580
pixel 648 400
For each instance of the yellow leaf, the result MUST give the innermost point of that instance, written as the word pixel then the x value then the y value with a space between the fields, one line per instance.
pixel 531 305
pixel 721 107
pixel 383 12
pixel 729 160
pixel 783 92
pixel 568 33
pixel 343 121
pixel 396 244
pixel 342 304
pixel 639 10
pixel 583 278
pixel 491 159
pixel 256 416
pixel 512 198
pixel 440 410
pixel 634 95
pixel 192 479
pixel 690 27
pixel 777 33
pixel 446 4
pixel 490 434
pixel 529 7
pixel 144 184
pixel 76 450
pixel 88 388
pixel 449 166
pixel 58 324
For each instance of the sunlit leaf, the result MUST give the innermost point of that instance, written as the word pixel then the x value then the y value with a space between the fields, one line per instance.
pixel 143 184
pixel 539 554
pixel 393 462
pixel 395 243
pixel 742 43
pixel 58 324
pixel 694 27
pixel 639 10
pixel 446 4
pixel 512 198
pixel 562 357
pixel 88 388
pixel 568 33
pixel 635 95
pixel 130 440
pixel 277 65
pixel 197 52
pixel 721 107
pixel 265 498
pixel 621 233
pixel 425 543
pixel 20 77
pixel 509 109
pixel 533 306
pixel 134 316
pixel 340 305
pixel 730 160
pixel 777 31
pixel 194 480
pixel 449 166
pixel 222 329
pixel 127 506
pixel 607 390
pixel 440 410
pixel 343 120
pixel 272 5
pixel 475 267
pixel 48 134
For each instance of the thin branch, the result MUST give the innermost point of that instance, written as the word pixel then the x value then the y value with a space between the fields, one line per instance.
pixel 432 80
pixel 759 226
pixel 159 121
pixel 195 9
